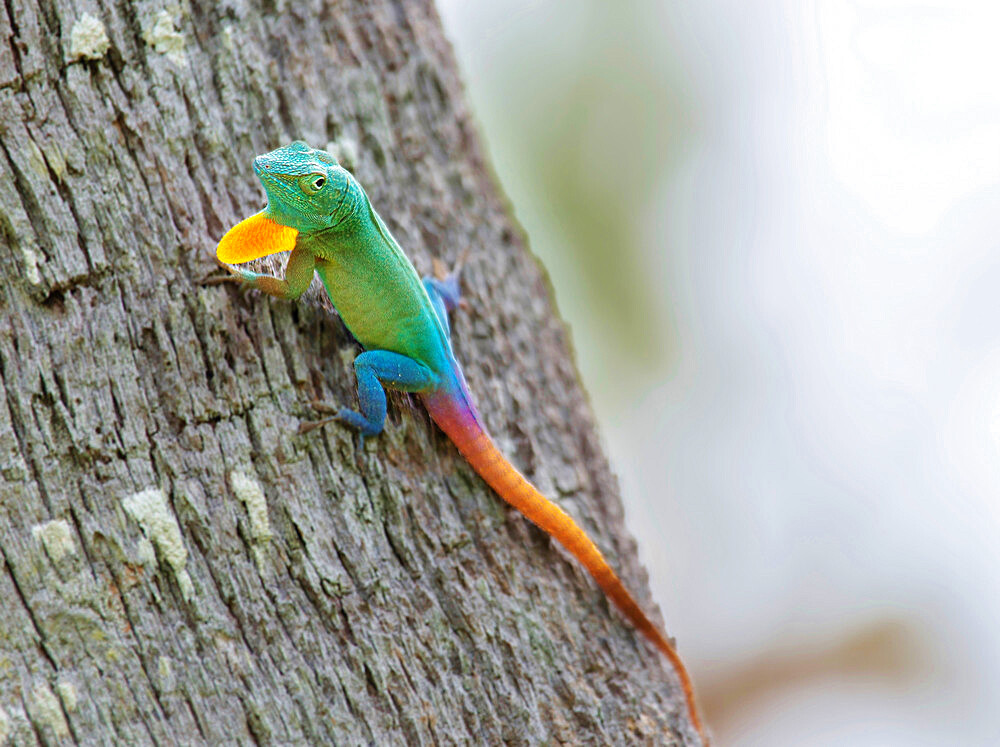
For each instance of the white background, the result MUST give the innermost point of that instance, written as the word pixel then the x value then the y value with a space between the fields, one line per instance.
pixel 787 312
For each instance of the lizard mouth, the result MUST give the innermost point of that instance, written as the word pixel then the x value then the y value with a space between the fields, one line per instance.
pixel 280 184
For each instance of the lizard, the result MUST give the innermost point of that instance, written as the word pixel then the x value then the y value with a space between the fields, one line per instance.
pixel 319 212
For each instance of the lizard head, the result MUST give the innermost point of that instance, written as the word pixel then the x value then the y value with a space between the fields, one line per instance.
pixel 306 188
pixel 307 191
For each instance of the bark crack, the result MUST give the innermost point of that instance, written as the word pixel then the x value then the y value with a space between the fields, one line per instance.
pixel 23 599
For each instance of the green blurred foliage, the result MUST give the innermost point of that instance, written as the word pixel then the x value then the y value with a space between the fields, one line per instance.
pixel 584 121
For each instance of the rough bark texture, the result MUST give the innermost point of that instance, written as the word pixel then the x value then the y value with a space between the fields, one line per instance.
pixel 176 565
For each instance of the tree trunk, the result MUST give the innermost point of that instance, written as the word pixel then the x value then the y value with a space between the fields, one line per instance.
pixel 178 566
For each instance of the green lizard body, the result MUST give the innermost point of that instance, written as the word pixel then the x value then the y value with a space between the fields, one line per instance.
pixel 318 210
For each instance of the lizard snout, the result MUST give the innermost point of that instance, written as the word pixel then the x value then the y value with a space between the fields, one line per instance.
pixel 260 164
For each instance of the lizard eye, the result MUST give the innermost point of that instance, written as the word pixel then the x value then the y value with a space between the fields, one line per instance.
pixel 312 183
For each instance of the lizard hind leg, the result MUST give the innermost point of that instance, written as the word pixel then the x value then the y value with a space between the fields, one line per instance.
pixel 444 289
pixel 439 294
pixel 375 368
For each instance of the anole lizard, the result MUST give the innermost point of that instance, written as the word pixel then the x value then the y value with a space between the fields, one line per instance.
pixel 318 211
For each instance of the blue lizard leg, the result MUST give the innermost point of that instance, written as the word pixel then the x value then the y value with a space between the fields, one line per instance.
pixel 372 368
pixel 445 294
pixel 439 302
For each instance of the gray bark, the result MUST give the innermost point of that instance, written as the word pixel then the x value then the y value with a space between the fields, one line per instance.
pixel 177 566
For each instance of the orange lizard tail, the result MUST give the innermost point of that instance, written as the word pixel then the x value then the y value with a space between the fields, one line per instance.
pixel 458 420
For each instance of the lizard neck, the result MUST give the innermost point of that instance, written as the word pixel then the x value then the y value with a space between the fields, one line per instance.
pixel 358 231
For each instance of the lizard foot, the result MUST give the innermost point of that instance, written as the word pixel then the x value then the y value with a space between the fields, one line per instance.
pixel 353 420
pixel 231 276
pixel 307 426
pixel 441 271
pixel 448 280
pixel 321 406
pixel 444 287
pixel 218 280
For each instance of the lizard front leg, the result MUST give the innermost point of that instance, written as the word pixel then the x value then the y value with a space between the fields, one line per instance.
pixel 298 276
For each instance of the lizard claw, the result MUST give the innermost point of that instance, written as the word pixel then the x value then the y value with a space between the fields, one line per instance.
pixel 334 413
pixel 218 279
pixel 232 275
pixel 447 284
pixel 323 407
pixel 307 426
pixel 441 271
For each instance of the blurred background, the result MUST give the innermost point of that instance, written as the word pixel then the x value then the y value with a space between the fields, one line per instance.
pixel 774 228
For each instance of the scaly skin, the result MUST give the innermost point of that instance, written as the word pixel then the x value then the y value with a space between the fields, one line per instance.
pixel 318 210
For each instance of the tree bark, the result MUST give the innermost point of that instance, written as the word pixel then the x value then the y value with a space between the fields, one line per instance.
pixel 177 566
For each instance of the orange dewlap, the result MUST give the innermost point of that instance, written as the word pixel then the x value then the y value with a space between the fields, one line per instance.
pixel 253 238
pixel 477 447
